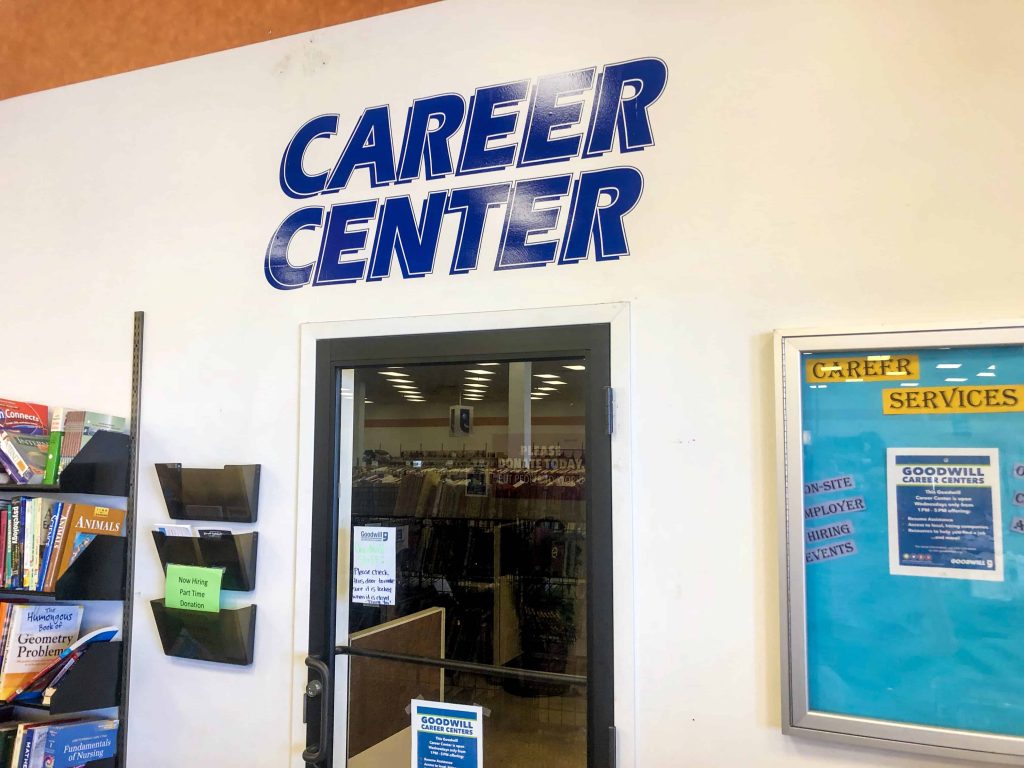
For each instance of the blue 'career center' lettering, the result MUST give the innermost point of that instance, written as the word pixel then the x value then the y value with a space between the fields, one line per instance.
pixel 518 124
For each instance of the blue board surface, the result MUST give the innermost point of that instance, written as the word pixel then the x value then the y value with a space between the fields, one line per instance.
pixel 946 652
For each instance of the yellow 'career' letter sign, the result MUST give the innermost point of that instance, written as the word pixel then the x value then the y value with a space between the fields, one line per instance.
pixel 825 370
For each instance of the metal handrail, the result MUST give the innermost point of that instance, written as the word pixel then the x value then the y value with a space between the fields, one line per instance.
pixel 464 666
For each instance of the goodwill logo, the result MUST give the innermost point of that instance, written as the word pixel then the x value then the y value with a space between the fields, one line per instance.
pixel 584 114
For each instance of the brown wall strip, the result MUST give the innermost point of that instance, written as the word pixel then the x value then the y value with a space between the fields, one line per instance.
pixel 380 423
pixel 482 421
pixel 558 421
pixel 49 43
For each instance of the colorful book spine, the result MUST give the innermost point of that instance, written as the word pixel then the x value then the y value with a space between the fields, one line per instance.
pixel 44 570
pixel 8 552
pixel 50 584
pixel 53 454
pixel 5 515
pixel 29 547
pixel 71 442
pixel 17 540
pixel 25 758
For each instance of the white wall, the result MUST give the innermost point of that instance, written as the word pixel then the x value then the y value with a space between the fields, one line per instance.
pixel 816 164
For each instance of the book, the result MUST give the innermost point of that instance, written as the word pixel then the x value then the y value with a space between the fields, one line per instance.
pixel 5 513
pixel 84 524
pixel 44 514
pixel 33 745
pixel 50 473
pixel 74 744
pixel 51 535
pixel 71 440
pixel 101 635
pixel 25 418
pixel 81 426
pixel 16 539
pixel 18 741
pixel 5 626
pixel 8 733
pixel 36 634
pixel 30 531
pixel 23 456
pixel 50 582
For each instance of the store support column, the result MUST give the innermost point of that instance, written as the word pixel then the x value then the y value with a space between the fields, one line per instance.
pixel 359 421
pixel 519 414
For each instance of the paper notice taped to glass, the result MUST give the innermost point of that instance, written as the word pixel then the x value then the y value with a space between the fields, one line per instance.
pixel 373 565
pixel 446 735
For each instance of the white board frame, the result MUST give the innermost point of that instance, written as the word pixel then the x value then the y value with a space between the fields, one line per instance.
pixel 797 717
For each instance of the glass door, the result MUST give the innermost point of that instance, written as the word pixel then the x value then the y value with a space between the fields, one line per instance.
pixel 461 566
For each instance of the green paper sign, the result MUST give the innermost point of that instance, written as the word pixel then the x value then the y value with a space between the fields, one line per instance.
pixel 192 588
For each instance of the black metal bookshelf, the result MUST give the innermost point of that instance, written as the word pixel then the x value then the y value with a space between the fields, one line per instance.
pixel 107 466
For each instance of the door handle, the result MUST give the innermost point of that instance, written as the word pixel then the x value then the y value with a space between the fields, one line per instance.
pixel 321 689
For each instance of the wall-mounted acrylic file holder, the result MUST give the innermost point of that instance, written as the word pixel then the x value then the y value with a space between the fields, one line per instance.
pixel 226 637
pixel 235 553
pixel 230 494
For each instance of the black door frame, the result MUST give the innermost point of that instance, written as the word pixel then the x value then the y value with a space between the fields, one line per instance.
pixel 590 344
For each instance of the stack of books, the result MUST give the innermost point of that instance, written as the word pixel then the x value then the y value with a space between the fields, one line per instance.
pixel 37 442
pixel 41 538
pixel 57 744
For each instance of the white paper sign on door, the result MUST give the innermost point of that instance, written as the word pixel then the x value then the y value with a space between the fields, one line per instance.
pixel 373 565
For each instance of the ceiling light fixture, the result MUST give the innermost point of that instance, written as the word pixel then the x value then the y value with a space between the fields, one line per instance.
pixel 575 367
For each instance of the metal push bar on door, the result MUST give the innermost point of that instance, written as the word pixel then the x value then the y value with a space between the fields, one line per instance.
pixel 535 676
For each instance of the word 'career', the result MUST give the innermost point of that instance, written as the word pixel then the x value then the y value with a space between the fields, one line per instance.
pixel 611 103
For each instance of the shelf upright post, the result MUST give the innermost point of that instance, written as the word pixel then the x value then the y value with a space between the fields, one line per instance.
pixel 129 532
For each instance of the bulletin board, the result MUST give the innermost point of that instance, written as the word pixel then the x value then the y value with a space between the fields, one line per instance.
pixel 902 477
